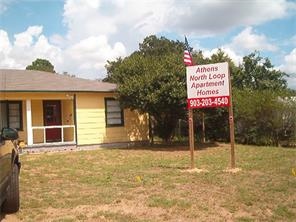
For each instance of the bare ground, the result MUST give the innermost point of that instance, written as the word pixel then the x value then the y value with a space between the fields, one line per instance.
pixel 155 184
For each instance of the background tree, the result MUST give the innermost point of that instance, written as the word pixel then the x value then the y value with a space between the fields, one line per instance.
pixel 41 65
pixel 152 80
pixel 263 106
pixel 257 73
pixel 260 100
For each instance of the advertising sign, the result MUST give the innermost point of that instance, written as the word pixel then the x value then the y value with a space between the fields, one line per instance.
pixel 207 85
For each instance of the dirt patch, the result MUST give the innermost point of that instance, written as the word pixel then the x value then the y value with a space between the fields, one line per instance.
pixel 233 170
pixel 124 207
pixel 195 170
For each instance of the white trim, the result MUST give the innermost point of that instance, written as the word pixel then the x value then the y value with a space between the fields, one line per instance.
pixel 53 127
pixel 62 134
pixel 29 122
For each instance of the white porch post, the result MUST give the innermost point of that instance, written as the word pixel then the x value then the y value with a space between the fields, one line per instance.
pixel 29 122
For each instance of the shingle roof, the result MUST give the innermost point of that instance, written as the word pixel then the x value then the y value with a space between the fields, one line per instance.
pixel 37 81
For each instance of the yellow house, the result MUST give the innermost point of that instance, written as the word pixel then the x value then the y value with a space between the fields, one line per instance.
pixel 54 109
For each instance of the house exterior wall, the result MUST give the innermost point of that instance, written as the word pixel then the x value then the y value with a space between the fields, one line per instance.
pixel 68 119
pixel 17 97
pixel 91 122
pixel 37 120
pixel 90 117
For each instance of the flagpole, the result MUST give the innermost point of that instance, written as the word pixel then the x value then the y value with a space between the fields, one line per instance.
pixel 190 110
pixel 191 137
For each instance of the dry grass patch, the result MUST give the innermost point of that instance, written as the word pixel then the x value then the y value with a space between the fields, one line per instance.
pixel 151 185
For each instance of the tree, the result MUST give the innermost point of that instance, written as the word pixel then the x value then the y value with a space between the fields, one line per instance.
pixel 264 117
pixel 259 102
pixel 152 80
pixel 41 65
pixel 258 73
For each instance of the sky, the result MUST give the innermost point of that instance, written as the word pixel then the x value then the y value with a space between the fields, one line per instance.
pixel 79 36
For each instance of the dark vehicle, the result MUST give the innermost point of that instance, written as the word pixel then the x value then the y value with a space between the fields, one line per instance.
pixel 9 171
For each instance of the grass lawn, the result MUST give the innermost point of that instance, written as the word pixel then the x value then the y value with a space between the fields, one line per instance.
pixel 153 185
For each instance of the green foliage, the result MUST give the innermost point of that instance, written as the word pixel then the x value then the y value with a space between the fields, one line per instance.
pixel 260 116
pixel 257 73
pixel 152 80
pixel 217 127
pixel 41 65
pixel 263 108
pixel 263 104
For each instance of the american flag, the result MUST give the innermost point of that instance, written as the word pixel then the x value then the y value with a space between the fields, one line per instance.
pixel 187 55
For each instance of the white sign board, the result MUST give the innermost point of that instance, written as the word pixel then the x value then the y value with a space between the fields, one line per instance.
pixel 208 85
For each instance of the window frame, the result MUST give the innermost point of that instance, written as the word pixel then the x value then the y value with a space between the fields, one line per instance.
pixel 106 114
pixel 7 102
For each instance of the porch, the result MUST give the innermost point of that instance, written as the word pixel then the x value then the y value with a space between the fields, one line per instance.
pixel 42 119
pixel 50 122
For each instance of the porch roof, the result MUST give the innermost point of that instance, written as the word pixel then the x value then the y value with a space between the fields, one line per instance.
pixel 12 80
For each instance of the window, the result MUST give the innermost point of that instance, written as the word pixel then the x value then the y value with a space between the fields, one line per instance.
pixel 11 114
pixel 114 114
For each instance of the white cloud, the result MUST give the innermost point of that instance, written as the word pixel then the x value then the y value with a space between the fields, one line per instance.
pixel 44 49
pixel 84 19
pixel 129 21
pixel 289 65
pixel 248 41
pixel 91 54
pixel 237 59
pixel 210 17
pixel 98 30
pixel 26 47
pixel 85 58
pixel 5 46
pixel 245 42
pixel 137 19
pixel 58 40
pixel 25 39
pixel 291 82
pixel 5 49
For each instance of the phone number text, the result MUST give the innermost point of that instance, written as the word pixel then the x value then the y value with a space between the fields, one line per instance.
pixel 208 102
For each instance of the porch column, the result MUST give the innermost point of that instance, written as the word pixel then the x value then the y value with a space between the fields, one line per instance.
pixel 29 122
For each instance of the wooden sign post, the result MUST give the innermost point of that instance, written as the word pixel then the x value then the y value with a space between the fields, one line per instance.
pixel 209 86
pixel 203 137
pixel 231 125
pixel 191 137
pixel 231 131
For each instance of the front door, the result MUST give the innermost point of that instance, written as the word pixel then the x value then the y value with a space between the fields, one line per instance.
pixel 52 117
